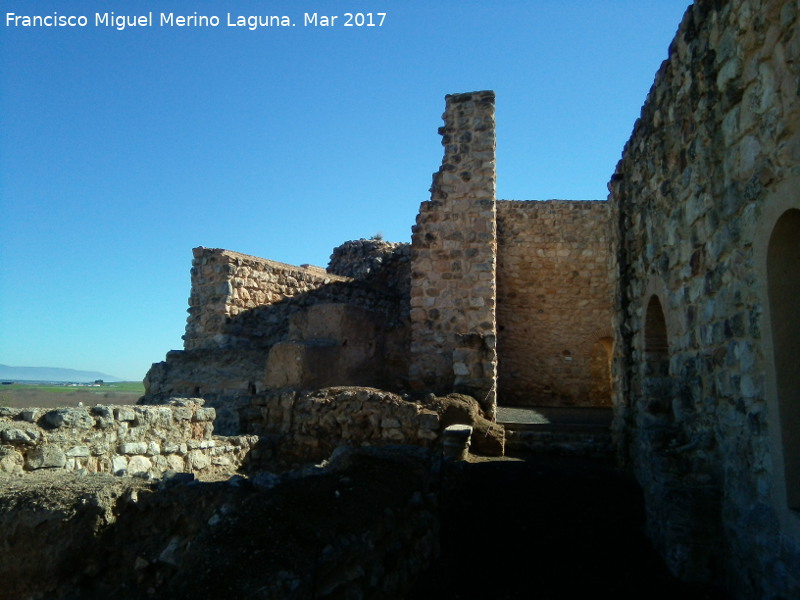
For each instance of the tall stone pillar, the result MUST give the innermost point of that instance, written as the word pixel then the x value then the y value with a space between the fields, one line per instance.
pixel 453 260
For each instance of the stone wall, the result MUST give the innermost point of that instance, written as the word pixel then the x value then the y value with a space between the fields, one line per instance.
pixel 255 324
pixel 553 303
pixel 122 440
pixel 227 284
pixel 308 426
pixel 362 258
pixel 705 204
pixel 453 260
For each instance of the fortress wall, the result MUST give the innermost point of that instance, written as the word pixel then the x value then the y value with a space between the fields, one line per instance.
pixel 453 259
pixel 553 303
pixel 226 284
pixel 705 205
pixel 122 440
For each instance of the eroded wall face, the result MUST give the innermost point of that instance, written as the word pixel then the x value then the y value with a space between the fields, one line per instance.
pixel 227 286
pixel 553 303
pixel 710 168
pixel 453 260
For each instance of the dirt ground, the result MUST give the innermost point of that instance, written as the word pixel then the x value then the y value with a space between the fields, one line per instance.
pixel 547 528
pixel 513 528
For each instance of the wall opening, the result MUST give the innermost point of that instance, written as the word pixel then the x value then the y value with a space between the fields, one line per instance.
pixel 783 288
pixel 658 385
pixel 600 372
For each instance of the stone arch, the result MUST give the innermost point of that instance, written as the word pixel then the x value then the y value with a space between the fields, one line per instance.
pixel 600 372
pixel 783 290
pixel 657 381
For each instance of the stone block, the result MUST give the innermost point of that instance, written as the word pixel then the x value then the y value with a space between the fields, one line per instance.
pixel 104 416
pixel 197 460
pixel 124 413
pixel 204 414
pixel 19 436
pixel 78 452
pixel 75 418
pixel 45 457
pixel 182 413
pixel 132 448
pixel 175 462
pixel 428 421
pixel 29 414
pixel 10 461
pixel 139 466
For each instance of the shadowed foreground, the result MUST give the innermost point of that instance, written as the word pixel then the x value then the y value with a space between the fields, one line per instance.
pixel 545 528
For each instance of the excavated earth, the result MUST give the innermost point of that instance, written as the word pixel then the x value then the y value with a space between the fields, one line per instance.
pixel 391 523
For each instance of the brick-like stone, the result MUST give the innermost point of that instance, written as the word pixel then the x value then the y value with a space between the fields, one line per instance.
pixel 45 457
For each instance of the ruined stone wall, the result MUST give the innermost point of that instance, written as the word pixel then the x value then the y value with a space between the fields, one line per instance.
pixel 708 179
pixel 121 440
pixel 453 259
pixel 308 426
pixel 227 284
pixel 362 258
pixel 553 303
pixel 255 324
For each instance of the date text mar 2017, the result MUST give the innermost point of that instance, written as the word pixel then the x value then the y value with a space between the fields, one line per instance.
pixel 344 20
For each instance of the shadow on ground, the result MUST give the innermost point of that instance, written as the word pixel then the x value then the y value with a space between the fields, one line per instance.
pixel 546 528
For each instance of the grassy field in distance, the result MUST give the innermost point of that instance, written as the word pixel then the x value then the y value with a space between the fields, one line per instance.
pixel 45 395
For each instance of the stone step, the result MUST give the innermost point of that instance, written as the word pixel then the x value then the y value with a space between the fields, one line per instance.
pixel 560 442
pixel 557 430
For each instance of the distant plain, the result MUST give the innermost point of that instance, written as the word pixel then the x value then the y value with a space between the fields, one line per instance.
pixel 50 395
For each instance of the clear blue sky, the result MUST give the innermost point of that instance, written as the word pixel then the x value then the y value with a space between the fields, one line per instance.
pixel 120 151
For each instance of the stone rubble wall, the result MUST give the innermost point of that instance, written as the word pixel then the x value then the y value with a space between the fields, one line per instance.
pixel 122 440
pixel 358 259
pixel 712 163
pixel 553 303
pixel 226 284
pixel 453 260
pixel 308 426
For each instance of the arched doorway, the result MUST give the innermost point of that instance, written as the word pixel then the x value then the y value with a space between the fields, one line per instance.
pixel 658 385
pixel 783 288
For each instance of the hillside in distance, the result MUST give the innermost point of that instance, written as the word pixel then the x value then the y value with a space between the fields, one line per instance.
pixel 52 374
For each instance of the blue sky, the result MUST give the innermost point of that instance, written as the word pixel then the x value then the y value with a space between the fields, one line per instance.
pixel 120 151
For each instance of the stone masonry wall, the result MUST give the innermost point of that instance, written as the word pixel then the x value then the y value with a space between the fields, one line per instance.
pixel 308 426
pixel 553 303
pixel 711 167
pixel 122 440
pixel 226 284
pixel 255 324
pixel 362 258
pixel 453 260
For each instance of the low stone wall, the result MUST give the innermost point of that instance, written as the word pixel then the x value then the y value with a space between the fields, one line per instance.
pixel 226 284
pixel 225 378
pixel 309 426
pixel 123 440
